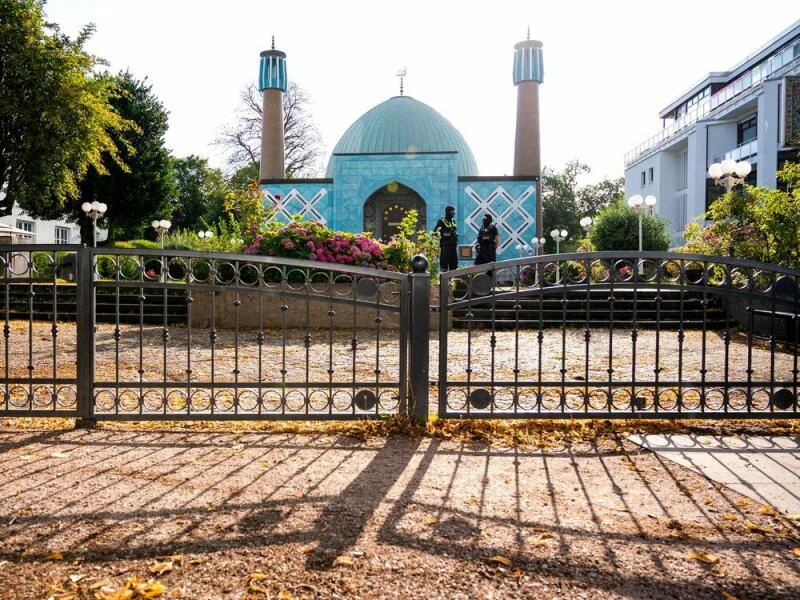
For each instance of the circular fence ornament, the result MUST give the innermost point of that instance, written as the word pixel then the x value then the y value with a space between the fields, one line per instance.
pixel 366 288
pixel 365 400
pixel 481 285
pixel 783 399
pixel 480 399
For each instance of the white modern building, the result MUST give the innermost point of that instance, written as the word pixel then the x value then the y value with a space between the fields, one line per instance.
pixel 750 112
pixel 38 231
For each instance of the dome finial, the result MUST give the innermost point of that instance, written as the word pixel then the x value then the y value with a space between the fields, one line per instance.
pixel 529 32
pixel 401 73
pixel 273 38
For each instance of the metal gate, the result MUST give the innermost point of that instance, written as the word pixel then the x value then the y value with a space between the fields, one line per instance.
pixel 166 334
pixel 619 335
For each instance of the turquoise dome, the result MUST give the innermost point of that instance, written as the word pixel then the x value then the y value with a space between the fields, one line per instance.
pixel 400 125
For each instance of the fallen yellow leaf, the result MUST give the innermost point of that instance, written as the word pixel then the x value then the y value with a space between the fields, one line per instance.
pixel 59 455
pixel 766 509
pixel 264 463
pixel 54 556
pixel 706 557
pixel 284 595
pixel 729 517
pixel 501 559
pixel 472 500
pixel 753 528
pixel 149 589
pixel 258 588
pixel 517 573
pixel 27 457
pixel 98 584
pixel 161 568
pixel 796 551
pixel 743 502
pixel 793 517
pixel 430 521
pixel 257 576
pixel 539 542
pixel 308 549
pixel 728 596
pixel 343 560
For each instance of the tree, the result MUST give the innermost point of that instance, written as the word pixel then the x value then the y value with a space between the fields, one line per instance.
pixel 592 198
pixel 56 118
pixel 200 194
pixel 145 188
pixel 616 227
pixel 754 223
pixel 303 144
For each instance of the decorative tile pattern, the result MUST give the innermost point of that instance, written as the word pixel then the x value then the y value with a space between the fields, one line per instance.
pixel 293 202
pixel 512 214
pixel 792 120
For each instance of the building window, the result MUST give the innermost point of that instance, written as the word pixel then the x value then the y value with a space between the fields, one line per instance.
pixel 650 174
pixel 643 178
pixel 747 130
pixel 62 235
pixel 27 227
pixel 681 170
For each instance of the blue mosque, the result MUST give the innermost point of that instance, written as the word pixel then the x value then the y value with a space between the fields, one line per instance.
pixel 404 155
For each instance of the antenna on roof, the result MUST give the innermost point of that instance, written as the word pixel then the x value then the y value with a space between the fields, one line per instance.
pixel 529 32
pixel 273 38
pixel 401 73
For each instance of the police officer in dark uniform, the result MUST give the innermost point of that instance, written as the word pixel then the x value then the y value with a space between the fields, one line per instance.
pixel 487 242
pixel 448 239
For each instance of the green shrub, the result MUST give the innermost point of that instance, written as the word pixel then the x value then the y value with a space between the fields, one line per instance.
pixel 617 228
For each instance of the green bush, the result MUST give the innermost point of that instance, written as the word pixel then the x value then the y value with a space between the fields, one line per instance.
pixel 616 227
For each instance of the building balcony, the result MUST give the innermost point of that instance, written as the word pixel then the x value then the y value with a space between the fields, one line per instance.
pixel 744 151
pixel 784 60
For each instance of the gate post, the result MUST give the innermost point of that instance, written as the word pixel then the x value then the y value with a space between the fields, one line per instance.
pixel 419 337
pixel 85 323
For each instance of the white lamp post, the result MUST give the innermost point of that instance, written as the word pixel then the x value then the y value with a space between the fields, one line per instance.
pixel 586 222
pixel 94 210
pixel 538 243
pixel 161 228
pixel 642 205
pixel 205 235
pixel 729 173
pixel 558 237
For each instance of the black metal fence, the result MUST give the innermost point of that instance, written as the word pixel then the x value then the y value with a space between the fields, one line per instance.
pixel 164 334
pixel 619 334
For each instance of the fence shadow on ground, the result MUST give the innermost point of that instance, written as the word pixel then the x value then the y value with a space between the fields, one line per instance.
pixel 591 514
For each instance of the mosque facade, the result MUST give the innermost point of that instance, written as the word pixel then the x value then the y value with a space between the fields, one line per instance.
pixel 402 155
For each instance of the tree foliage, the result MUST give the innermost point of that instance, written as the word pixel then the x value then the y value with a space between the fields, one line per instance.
pixel 56 118
pixel 145 188
pixel 616 227
pixel 303 145
pixel 753 223
pixel 200 193
pixel 565 201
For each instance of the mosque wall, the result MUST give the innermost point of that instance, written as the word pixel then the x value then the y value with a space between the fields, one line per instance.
pixel 312 199
pixel 434 176
pixel 510 200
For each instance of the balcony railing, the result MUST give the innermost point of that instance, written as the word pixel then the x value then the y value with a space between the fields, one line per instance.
pixel 751 79
pixel 742 151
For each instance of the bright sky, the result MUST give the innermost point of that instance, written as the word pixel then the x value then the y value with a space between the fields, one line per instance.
pixel 609 67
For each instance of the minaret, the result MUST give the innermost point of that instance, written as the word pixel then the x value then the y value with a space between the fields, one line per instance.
pixel 528 74
pixel 272 84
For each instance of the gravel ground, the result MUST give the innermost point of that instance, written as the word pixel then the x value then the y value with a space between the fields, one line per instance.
pixel 235 515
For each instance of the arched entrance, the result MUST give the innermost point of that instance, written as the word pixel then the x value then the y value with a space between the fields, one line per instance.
pixel 385 208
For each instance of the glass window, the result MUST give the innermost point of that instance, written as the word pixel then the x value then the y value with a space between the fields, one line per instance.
pixel 650 174
pixel 26 226
pixel 642 178
pixel 747 130
pixel 62 235
pixel 681 170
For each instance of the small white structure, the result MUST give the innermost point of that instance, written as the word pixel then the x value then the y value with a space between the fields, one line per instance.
pixel 38 231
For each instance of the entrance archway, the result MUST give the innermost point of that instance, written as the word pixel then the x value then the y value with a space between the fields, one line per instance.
pixel 386 207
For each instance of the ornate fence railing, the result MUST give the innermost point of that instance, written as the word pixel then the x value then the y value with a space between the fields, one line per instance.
pixel 155 334
pixel 619 334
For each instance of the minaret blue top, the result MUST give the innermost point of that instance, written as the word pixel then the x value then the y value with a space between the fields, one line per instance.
pixel 272 71
pixel 528 61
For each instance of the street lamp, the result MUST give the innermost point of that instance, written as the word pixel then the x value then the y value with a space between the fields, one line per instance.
pixel 642 205
pixel 205 235
pixel 94 210
pixel 558 237
pixel 161 228
pixel 587 222
pixel 729 173
pixel 538 244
